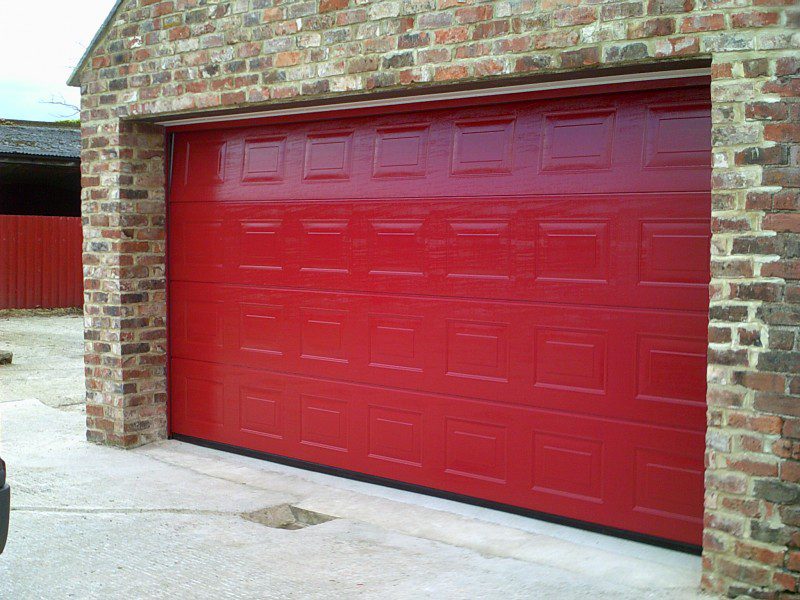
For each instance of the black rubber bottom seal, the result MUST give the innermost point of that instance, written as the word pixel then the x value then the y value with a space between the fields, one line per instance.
pixel 419 489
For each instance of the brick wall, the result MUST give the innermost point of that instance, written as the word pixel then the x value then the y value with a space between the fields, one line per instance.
pixel 185 56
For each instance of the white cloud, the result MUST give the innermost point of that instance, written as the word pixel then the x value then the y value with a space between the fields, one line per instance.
pixel 41 41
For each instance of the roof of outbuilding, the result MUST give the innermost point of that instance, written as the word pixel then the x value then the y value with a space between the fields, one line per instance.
pixel 37 138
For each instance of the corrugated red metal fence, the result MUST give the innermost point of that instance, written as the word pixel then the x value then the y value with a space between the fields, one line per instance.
pixel 40 262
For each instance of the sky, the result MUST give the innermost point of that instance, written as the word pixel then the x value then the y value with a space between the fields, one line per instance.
pixel 41 41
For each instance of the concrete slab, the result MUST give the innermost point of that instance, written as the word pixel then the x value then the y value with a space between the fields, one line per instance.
pixel 167 520
pixel 48 357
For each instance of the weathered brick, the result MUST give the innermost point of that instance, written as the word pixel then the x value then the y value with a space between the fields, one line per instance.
pixel 787 65
pixel 533 63
pixel 768 533
pixel 667 7
pixel 651 28
pixel 621 10
pixel 771 155
pixel 626 52
pixel 677 46
pixel 756 67
pixel 413 40
pixel 777 492
pixel 397 60
pixel 766 111
pixel 780 314
pixel 575 59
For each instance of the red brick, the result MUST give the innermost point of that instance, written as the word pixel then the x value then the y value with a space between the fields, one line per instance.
pixel 490 29
pixel 791 428
pixel 786 581
pixel 784 132
pixel 331 5
pixel 163 8
pixel 744 571
pixel 513 45
pixel 448 73
pixel 760 554
pixel 575 59
pixel 787 269
pixel 473 14
pixel 787 65
pixel 451 36
pixel 286 59
pixel 778 404
pixel 651 28
pixel 754 19
pixel 580 15
pixel 766 424
pixel 747 508
pixel 713 22
pixel 555 39
pixel 755 467
pixel 717 335
pixel 765 382
pixel 179 33
pixel 793 561
pixel 722 71
pixel 790 471
pixel 488 67
pixel 788 222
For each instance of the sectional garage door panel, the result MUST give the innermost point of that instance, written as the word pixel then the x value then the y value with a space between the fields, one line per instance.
pixel 645 250
pixel 618 363
pixel 611 143
pixel 506 302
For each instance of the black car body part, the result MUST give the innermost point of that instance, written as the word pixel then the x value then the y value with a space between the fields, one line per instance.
pixel 5 506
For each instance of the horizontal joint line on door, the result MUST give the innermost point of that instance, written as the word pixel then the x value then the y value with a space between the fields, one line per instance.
pixel 511 197
pixel 482 300
pixel 604 418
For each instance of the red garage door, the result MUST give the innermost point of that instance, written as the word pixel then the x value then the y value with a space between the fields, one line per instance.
pixel 506 301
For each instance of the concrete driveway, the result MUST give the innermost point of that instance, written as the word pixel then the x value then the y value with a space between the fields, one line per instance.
pixel 175 520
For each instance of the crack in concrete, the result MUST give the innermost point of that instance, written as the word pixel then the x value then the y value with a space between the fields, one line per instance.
pixel 204 473
pixel 123 511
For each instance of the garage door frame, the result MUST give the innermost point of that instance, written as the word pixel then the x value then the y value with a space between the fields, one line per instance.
pixel 360 108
